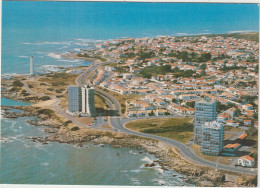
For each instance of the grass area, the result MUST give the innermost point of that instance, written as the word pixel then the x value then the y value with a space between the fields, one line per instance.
pixel 232 129
pixel 225 160
pixel 85 120
pixel 64 101
pixel 52 84
pixel 196 148
pixel 180 129
pixel 106 126
pixel 222 159
pixel 227 135
pixel 100 102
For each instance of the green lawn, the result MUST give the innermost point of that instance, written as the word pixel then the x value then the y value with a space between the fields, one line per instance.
pixel 180 129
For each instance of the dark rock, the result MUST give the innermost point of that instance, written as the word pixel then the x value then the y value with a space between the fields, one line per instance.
pixel 80 145
pixel 149 164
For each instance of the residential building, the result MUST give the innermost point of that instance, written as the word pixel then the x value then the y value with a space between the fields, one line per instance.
pixel 246 161
pixel 74 99
pixel 88 100
pixel 205 111
pixel 212 138
pixel 82 100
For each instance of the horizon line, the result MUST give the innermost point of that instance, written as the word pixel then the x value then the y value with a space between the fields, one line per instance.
pixel 158 1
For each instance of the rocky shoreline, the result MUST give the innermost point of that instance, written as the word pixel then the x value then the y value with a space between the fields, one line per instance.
pixel 169 157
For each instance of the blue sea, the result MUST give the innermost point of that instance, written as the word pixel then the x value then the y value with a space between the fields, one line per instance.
pixel 45 29
pixel 42 29
pixel 25 162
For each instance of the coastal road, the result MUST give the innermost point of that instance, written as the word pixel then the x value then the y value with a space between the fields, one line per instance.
pixel 82 80
pixel 118 124
pixel 29 90
pixel 184 149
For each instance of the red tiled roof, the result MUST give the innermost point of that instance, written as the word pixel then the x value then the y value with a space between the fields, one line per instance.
pixel 242 136
pixel 247 157
pixel 232 146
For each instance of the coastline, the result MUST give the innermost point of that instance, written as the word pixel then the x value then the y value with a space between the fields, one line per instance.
pixel 169 156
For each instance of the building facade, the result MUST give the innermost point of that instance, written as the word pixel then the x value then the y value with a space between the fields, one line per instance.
pixel 88 100
pixel 75 102
pixel 246 161
pixel 82 100
pixel 212 138
pixel 205 111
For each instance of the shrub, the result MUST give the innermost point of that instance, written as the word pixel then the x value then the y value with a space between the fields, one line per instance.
pixel 43 84
pixel 67 122
pixel 25 94
pixel 57 83
pixel 178 128
pixel 17 83
pixel 45 98
pixel 50 89
pixel 58 90
pixel 24 91
pixel 30 86
pixel 74 128
pixel 47 112
pixel 15 89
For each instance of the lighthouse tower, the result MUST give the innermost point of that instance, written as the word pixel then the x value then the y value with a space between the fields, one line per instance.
pixel 31 66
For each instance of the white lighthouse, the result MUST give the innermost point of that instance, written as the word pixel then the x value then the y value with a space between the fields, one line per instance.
pixel 31 66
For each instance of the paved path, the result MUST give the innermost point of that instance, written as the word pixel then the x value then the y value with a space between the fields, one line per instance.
pixel 118 124
pixel 29 90
pixel 184 149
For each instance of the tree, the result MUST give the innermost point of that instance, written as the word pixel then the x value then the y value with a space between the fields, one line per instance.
pixel 203 73
pixel 17 83
pixel 256 68
pixel 251 131
pixel 174 100
pixel 184 56
pixel 238 112
pixel 191 104
pixel 206 56
pixel 151 114
pixel 203 66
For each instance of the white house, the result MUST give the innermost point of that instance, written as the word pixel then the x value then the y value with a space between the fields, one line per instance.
pixel 248 106
pixel 246 161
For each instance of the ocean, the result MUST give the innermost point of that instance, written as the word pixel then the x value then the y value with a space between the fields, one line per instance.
pixel 43 29
pixel 27 162
pixel 46 29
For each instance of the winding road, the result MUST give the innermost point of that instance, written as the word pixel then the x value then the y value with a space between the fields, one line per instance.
pixel 118 124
